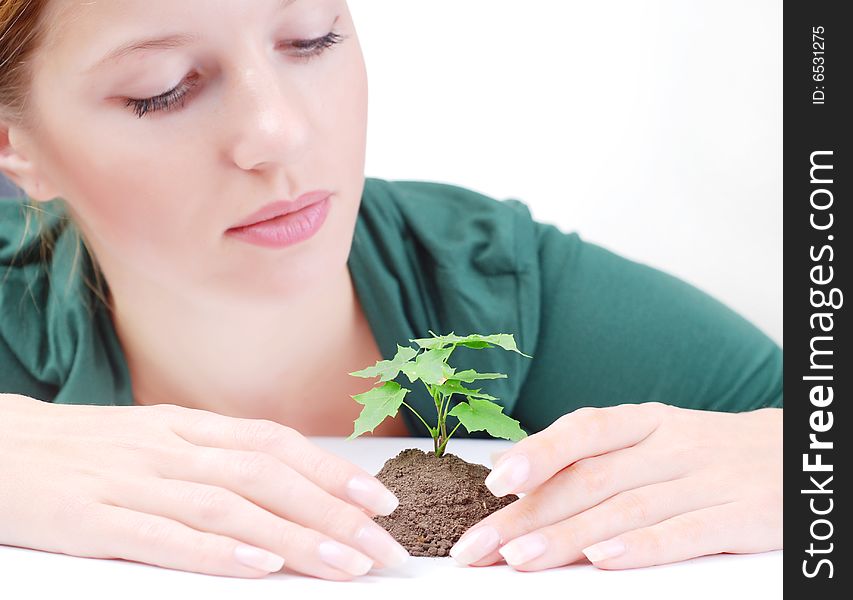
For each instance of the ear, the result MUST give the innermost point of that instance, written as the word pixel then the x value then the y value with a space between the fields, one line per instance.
pixel 15 165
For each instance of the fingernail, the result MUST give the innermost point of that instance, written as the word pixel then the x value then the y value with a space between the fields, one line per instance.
pixel 524 549
pixel 344 558
pixel 258 559
pixel 375 540
pixel 508 475
pixel 475 544
pixel 604 550
pixel 372 495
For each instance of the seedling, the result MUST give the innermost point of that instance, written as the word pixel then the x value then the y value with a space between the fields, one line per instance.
pixel 442 381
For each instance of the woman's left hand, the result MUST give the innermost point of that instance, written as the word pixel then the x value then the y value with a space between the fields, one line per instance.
pixel 635 485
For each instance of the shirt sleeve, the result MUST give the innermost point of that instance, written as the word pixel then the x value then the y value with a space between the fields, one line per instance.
pixel 616 331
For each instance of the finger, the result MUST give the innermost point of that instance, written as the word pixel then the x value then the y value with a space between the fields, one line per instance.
pixel 217 510
pixel 238 481
pixel 580 434
pixel 337 476
pixel 576 488
pixel 562 543
pixel 156 540
pixel 697 533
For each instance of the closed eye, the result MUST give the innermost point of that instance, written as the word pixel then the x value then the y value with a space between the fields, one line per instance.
pixel 307 51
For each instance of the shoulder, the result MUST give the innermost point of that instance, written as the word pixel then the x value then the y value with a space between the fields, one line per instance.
pixel 45 307
pixel 435 199
pixel 450 224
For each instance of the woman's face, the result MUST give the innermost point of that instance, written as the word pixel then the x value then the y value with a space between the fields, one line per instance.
pixel 262 121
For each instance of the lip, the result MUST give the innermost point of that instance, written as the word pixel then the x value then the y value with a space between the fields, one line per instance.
pixel 282 207
pixel 284 228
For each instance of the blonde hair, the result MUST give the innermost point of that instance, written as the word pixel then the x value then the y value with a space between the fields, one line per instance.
pixel 23 31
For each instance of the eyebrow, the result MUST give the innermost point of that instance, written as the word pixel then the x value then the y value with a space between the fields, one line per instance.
pixel 162 43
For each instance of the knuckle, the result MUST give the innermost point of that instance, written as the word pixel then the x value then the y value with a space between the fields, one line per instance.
pixel 575 537
pixel 649 541
pixel 250 466
pixel 633 508
pixel 313 459
pixel 288 536
pixel 209 504
pixel 525 516
pixel 591 476
pixel 331 517
pixel 654 407
pixel 690 528
pixel 594 421
pixel 164 413
pixel 212 553
pixel 331 466
pixel 686 455
pixel 260 433
pixel 550 447
pixel 153 532
pixel 162 460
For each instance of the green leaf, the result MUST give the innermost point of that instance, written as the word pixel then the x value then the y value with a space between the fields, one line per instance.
pixel 475 340
pixel 454 387
pixel 470 375
pixel 388 369
pixel 379 402
pixel 478 415
pixel 430 367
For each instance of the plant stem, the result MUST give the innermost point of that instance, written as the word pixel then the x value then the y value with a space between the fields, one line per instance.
pixel 440 440
pixel 443 417
pixel 418 416
pixel 440 450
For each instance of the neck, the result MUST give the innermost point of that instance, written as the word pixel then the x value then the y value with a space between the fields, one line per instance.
pixel 253 362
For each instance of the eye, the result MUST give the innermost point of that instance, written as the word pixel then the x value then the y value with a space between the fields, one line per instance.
pixel 309 49
pixel 164 101
pixel 306 51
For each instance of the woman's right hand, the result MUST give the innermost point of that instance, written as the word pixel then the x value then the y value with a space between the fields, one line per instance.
pixel 185 489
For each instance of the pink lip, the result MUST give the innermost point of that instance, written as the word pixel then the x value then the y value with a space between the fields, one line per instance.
pixel 282 224
pixel 282 207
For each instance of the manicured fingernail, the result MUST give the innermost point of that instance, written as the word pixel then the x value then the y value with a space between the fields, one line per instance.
pixel 344 558
pixel 375 540
pixel 604 550
pixel 508 475
pixel 475 544
pixel 524 549
pixel 258 559
pixel 372 495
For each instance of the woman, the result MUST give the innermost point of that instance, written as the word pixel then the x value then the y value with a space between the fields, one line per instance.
pixel 159 384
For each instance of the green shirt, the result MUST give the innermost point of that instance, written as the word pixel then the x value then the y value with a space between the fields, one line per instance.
pixel 602 329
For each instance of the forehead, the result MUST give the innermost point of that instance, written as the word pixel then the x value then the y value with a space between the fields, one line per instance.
pixel 86 30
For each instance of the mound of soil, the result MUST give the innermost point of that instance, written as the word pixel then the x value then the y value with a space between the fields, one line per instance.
pixel 440 499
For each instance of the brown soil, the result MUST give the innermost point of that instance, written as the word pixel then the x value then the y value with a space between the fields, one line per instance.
pixel 440 499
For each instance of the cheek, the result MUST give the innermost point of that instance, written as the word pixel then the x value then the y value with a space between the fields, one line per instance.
pixel 129 215
pixel 126 209
pixel 123 198
pixel 345 115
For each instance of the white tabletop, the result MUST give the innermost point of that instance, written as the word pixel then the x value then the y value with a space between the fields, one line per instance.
pixel 26 574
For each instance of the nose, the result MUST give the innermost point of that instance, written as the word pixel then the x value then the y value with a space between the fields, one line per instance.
pixel 267 114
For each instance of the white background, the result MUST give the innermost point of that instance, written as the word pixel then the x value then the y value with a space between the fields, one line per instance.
pixel 650 127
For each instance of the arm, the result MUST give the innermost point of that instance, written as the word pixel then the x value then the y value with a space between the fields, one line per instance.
pixel 614 331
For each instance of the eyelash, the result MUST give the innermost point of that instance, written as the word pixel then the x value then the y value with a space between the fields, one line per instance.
pixel 310 49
